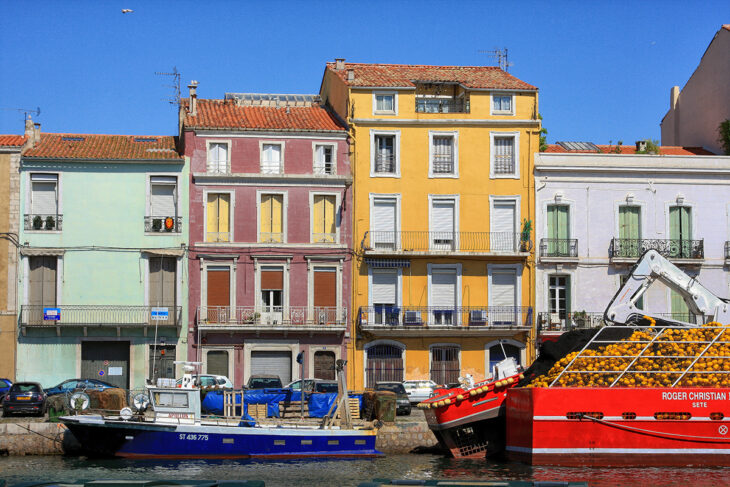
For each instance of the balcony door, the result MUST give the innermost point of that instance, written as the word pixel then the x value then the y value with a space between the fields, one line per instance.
pixel 383 224
pixel 385 296
pixel 442 225
pixel 558 231
pixel 504 232
pixel 443 296
pixel 218 294
pixel 272 294
pixel 680 232
pixel 503 297
pixel 42 285
pixel 325 295
pixel 558 299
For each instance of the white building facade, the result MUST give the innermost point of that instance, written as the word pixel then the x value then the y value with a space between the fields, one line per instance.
pixel 597 213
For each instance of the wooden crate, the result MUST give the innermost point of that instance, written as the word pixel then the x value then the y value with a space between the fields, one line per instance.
pixel 257 411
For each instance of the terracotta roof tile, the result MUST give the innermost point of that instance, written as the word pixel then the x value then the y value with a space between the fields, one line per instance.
pixel 12 140
pixel 667 150
pixel 404 75
pixel 227 114
pixel 104 147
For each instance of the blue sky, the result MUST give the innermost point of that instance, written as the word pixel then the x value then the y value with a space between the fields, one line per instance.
pixel 604 69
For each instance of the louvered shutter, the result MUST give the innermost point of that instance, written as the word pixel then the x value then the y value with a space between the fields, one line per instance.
pixel 443 217
pixel 44 197
pixel 385 287
pixel 277 208
pixel 383 223
pixel 443 288
pixel 217 158
pixel 272 159
pixel 504 284
pixel 629 222
pixel 325 288
pixel 211 226
pixel 503 226
pixel 163 196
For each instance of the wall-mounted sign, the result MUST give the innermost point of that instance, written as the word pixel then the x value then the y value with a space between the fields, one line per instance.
pixel 101 373
pixel 115 371
pixel 52 314
pixel 159 314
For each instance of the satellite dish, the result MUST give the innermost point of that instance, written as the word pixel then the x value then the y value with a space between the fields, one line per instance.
pixel 126 413
pixel 79 401
pixel 140 402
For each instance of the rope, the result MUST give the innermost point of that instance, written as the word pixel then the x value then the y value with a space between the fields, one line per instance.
pixel 39 434
pixel 656 433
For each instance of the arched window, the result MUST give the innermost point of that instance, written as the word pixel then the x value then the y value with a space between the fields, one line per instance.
pixel 384 363
pixel 445 367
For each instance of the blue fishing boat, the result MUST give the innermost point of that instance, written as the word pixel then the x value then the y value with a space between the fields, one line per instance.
pixel 175 428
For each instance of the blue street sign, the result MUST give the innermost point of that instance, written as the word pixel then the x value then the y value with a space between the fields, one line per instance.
pixel 101 373
pixel 161 314
pixel 53 314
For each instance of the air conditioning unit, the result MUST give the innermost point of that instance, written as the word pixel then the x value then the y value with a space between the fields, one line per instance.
pixel 412 317
pixel 478 317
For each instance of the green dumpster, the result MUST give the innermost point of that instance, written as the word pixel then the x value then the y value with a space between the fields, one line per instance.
pixel 385 406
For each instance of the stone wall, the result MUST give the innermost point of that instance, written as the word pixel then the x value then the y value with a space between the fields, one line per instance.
pixel 31 438
pixel 405 437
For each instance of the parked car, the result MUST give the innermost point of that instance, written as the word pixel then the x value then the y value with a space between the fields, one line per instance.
pixel 210 380
pixel 314 385
pixel 402 403
pixel 263 381
pixel 78 384
pixel 25 397
pixel 4 388
pixel 419 390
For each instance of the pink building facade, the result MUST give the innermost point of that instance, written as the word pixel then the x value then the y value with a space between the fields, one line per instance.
pixel 270 236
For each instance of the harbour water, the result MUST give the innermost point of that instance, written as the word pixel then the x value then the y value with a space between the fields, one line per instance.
pixel 345 472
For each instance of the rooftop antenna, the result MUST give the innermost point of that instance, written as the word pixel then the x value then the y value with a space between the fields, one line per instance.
pixel 27 112
pixel 499 55
pixel 175 75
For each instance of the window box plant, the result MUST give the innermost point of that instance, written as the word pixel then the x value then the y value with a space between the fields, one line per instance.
pixel 37 222
pixel 156 224
pixel 50 223
pixel 525 242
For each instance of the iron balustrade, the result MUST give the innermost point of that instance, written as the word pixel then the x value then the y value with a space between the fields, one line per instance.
pixel 727 250
pixel 633 248
pixel 324 237
pixel 159 224
pixel 443 164
pixel 43 222
pixel 100 315
pixel 559 247
pixel 265 317
pixel 384 163
pixel 441 105
pixel 445 317
pixel 566 321
pixel 217 236
pixel 271 237
pixel 424 241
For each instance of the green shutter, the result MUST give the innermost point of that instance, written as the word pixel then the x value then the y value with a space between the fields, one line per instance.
pixel 568 304
pixel 680 310
pixel 629 226
pixel 557 229
pixel 680 228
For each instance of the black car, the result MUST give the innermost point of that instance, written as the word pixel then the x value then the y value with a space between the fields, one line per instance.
pixel 25 397
pixel 263 381
pixel 402 403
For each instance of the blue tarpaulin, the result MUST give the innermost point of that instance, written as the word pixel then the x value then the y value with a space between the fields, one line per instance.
pixel 319 404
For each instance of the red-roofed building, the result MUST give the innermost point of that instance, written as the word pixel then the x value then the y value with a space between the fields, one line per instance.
pixel 270 235
pixel 627 149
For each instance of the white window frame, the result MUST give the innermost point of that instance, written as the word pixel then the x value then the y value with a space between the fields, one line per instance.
pixel 457 304
pixel 333 147
pixel 518 283
pixel 397 198
pixel 398 286
pixel 313 267
pixel 396 153
pixel 492 147
pixel 492 111
pixel 284 209
pixel 337 196
pixel 28 196
pixel 231 212
pixel 207 262
pixel 282 146
pixel 455 151
pixel 433 198
pixel 228 154
pixel 394 111
pixel 285 264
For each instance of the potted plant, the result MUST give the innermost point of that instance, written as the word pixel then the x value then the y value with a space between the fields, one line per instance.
pixel 525 243
pixel 580 318
pixel 50 222
pixel 156 224
pixel 37 222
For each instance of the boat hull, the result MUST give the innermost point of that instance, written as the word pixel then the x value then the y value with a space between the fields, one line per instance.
pixel 619 426
pixel 108 438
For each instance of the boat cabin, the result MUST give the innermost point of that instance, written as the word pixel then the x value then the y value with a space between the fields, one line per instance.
pixel 174 405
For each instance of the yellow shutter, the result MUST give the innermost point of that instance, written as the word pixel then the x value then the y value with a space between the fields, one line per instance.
pixel 277 217
pixel 329 218
pixel 223 217
pixel 211 227
pixel 318 216
pixel 265 218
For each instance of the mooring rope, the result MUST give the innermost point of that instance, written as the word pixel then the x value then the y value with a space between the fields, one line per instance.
pixel 655 433
pixel 39 434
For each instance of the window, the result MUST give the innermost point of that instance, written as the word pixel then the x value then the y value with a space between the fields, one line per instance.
pixel 324 365
pixel 558 231
pixel 217 158
pixel 680 232
pixel 324 216
pixel 504 155
pixel 502 104
pixel 218 294
pixel 445 364
pixel 384 364
pixel 559 296
pixel 43 203
pixel 443 224
pixel 384 154
pixel 324 162
pixel 163 282
pixel 42 281
pixel 503 297
pixel 629 222
pixel 502 225
pixel 443 298
pixel 272 218
pixel 384 223
pixel 384 103
pixel 162 212
pixel 384 296
pixel 218 217
pixel 325 295
pixel 217 362
pixel 271 158
pixel 272 294
pixel 443 153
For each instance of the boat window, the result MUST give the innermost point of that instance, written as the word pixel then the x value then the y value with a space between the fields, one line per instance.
pixel 673 416
pixel 584 415
pixel 171 399
pixel 628 415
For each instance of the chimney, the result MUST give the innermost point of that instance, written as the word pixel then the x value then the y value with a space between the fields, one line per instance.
pixel 29 129
pixel 339 63
pixel 193 87
pixel 350 74
pixel 673 97
pixel 640 146
pixel 36 133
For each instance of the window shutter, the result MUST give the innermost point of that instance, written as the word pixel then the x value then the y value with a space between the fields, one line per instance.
pixel 503 225
pixel 385 286
pixel 329 214
pixel 155 279
pixel 504 284
pixel 223 216
pixel 219 286
pixel 168 282
pixel 277 207
pixel 629 222
pixel 212 223
pixel 443 288
pixel 272 279
pixel 43 198
pixel 162 200
pixel 443 217
pixel 325 289
pixel 319 214
pixel 218 218
pixel 563 231
pixel 265 214
pixel 383 222
pixel 217 158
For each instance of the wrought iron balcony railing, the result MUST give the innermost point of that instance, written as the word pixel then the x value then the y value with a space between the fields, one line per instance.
pixel 727 250
pixel 99 315
pixel 444 317
pixel 271 237
pixel 423 241
pixel 633 248
pixel 324 237
pixel 271 317
pixel 384 163
pixel 443 164
pixel 564 321
pixel 163 224
pixel 35 221
pixel 217 236
pixel 559 247
pixel 441 105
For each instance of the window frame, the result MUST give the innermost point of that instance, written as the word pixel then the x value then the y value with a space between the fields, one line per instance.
pixel 222 262
pixel 378 93
pixel 518 269
pixel 226 142
pixel 148 201
pixel 284 211
pixel 338 215
pixel 231 212
pixel 282 148
pixel 494 95
pixel 453 198
pixel 492 153
pixel 333 147
pixel 455 153
pixel 387 196
pixel 430 268
pixel 396 153
pixel 284 264
pixel 59 278
pixel 28 199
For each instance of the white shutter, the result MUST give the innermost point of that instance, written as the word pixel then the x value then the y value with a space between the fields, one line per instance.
pixel 272 159
pixel 319 160
pixel 385 283
pixel 442 216
pixel 443 288
pixel 504 285
pixel 162 200
pixel 383 221
pixel 217 158
pixel 503 226
pixel 43 197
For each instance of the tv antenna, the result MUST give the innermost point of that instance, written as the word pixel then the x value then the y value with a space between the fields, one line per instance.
pixel 27 112
pixel 175 75
pixel 499 55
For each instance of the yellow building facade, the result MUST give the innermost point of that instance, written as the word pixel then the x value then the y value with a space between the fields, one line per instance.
pixel 442 161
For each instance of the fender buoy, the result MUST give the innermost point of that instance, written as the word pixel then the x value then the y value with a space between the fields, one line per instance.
pixel 79 401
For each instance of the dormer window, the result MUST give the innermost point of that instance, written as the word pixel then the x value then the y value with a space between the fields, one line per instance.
pixel 385 104
pixel 502 104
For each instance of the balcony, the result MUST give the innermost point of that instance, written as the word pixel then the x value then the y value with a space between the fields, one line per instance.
pixel 558 249
pixel 467 319
pixel 441 105
pixel 443 164
pixel 275 318
pixel 727 251
pixel 217 237
pixel 100 316
pixel 384 162
pixel 562 321
pixel 418 242
pixel 324 238
pixel 630 249
pixel 163 224
pixel 43 223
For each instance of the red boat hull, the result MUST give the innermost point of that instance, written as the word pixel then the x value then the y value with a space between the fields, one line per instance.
pixel 619 426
